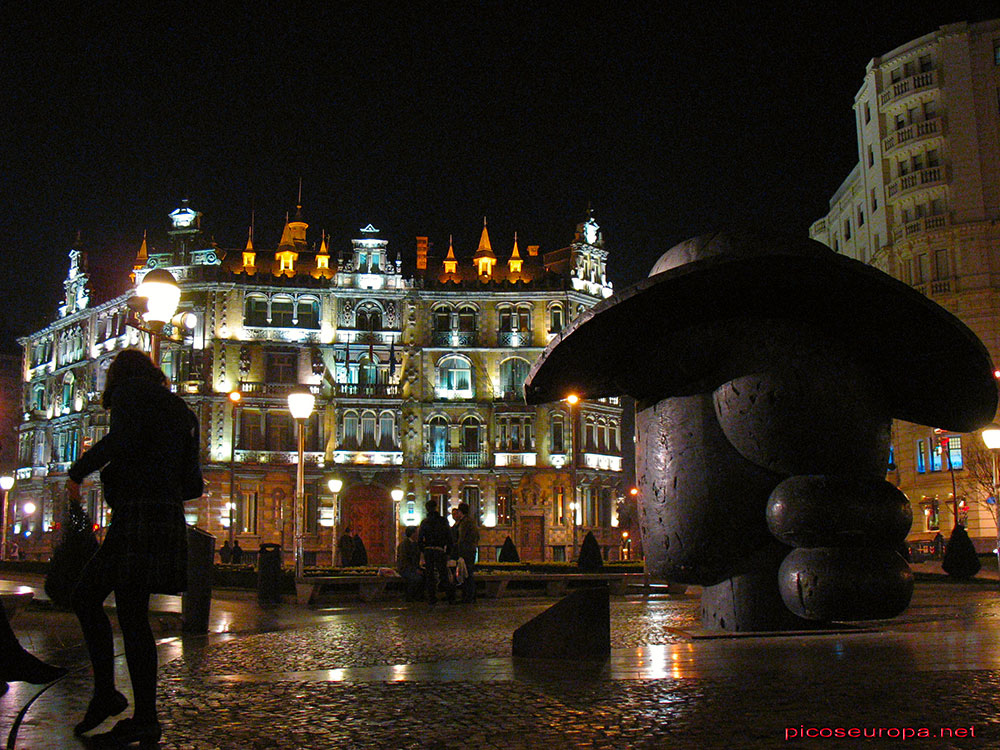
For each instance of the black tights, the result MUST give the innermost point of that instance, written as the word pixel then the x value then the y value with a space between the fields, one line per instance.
pixel 132 606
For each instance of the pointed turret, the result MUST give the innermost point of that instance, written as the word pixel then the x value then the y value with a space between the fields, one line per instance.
pixel 450 263
pixel 142 257
pixel 249 256
pixel 484 257
pixel 323 256
pixel 515 261
pixel 286 254
pixel 298 226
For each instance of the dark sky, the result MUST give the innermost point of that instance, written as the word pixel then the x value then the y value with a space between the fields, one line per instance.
pixel 670 118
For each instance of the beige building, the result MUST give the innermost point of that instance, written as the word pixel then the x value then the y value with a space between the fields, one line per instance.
pixel 923 204
pixel 418 377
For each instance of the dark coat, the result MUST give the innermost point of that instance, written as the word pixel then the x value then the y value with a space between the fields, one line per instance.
pixel 466 539
pixel 149 467
pixel 434 532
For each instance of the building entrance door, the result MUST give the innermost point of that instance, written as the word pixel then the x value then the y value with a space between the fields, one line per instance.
pixel 532 544
pixel 367 509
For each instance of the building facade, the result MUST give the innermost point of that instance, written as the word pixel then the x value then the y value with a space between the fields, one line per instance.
pixel 923 204
pixel 418 381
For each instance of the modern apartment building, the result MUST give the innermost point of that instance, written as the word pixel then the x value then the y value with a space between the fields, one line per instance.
pixel 923 204
pixel 417 375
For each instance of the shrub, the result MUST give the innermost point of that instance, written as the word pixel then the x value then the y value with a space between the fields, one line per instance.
pixel 590 554
pixel 960 559
pixel 508 552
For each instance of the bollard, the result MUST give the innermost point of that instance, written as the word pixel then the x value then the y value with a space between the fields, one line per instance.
pixel 269 575
pixel 196 603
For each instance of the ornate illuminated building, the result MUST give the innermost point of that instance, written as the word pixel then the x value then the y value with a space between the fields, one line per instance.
pixel 418 378
pixel 923 204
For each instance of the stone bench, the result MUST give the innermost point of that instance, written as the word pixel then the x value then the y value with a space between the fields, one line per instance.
pixel 368 588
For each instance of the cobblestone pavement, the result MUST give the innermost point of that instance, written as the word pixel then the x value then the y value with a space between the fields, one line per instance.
pixel 407 676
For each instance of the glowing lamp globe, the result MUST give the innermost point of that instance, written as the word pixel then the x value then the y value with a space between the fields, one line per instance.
pixel 991 436
pixel 29 508
pixel 397 494
pixel 335 485
pixel 162 295
pixel 301 402
pixel 6 483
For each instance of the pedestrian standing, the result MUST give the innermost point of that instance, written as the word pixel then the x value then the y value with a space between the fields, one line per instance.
pixel 149 463
pixel 226 553
pixel 466 547
pixel 434 541
pixel 359 555
pixel 408 563
pixel 346 547
pixel 237 553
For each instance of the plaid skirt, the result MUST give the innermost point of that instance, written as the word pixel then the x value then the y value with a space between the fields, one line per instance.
pixel 145 548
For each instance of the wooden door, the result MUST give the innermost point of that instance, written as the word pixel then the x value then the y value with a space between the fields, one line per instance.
pixel 367 508
pixel 532 546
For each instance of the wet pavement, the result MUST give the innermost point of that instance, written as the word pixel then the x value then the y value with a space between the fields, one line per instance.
pixel 398 675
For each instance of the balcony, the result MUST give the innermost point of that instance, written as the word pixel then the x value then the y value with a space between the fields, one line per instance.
pixel 513 338
pixel 367 390
pixel 272 390
pixel 915 181
pixel 515 459
pixel 908 86
pixel 454 338
pixel 918 227
pixel 916 132
pixel 602 462
pixel 456 460
pixel 369 457
pixel 312 458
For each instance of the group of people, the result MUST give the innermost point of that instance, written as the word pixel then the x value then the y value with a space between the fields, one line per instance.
pixel 149 465
pixel 231 553
pixel 352 550
pixel 437 556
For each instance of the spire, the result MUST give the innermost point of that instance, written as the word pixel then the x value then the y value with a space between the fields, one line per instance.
pixel 143 255
pixel 485 249
pixel 515 261
pixel 286 234
pixel 450 263
pixel 249 247
pixel 323 256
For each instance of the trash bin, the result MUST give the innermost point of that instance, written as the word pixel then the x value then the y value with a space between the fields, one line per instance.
pixel 196 603
pixel 269 575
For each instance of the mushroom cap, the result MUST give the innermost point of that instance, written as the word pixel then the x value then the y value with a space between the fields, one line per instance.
pixel 651 341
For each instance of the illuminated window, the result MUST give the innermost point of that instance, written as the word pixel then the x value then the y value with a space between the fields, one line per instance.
pixel 387 431
pixel 438 435
pixel 455 377
pixel 351 436
pixel 560 508
pixel 368 430
pixel 255 311
pixel 308 313
pixel 282 312
pixel 513 373
pixel 921 457
pixel 246 511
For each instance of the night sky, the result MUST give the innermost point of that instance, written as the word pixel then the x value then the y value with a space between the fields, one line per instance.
pixel 669 118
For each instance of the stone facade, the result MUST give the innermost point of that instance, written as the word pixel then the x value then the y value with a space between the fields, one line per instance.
pixel 418 380
pixel 923 204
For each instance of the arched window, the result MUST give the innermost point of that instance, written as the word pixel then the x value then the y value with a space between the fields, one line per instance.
pixel 367 371
pixel 351 435
pixel 282 312
pixel 513 373
pixel 588 440
pixel 467 319
pixel 368 319
pixel 255 311
pixel 558 427
pixel 307 314
pixel 454 377
pixel 506 319
pixel 471 434
pixel 368 430
pixel 556 319
pixel 602 436
pixel 438 435
pixel 442 320
pixel 386 431
pixel 68 387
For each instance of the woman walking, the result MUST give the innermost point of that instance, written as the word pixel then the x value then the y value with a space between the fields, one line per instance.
pixel 149 466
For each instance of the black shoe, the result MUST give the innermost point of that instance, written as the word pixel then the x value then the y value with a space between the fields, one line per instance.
pixel 27 668
pixel 100 709
pixel 129 731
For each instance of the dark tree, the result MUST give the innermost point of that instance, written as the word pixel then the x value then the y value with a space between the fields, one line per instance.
pixel 590 554
pixel 508 552
pixel 76 547
pixel 960 558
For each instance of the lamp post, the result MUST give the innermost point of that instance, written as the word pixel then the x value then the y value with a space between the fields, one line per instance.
pixel 335 485
pixel 300 404
pixel 991 437
pixel 6 482
pixel 944 442
pixel 573 400
pixel 159 289
pixel 234 400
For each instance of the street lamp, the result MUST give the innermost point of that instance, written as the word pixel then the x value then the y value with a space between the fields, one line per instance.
pixel 159 289
pixel 397 497
pixel 335 485
pixel 991 436
pixel 6 482
pixel 234 400
pixel 300 404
